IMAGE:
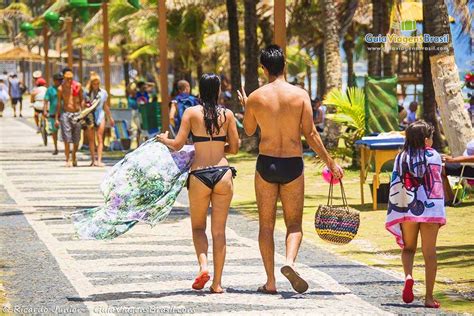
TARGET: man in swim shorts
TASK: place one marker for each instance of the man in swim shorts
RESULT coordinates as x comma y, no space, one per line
281,111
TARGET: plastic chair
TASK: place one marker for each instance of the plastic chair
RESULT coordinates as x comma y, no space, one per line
122,136
461,178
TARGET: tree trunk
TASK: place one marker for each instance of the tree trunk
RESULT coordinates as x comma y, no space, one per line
387,65
348,46
331,44
321,85
126,63
447,86
333,65
251,46
373,49
267,31
235,75
429,100
308,76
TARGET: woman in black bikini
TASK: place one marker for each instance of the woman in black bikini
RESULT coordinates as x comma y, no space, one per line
214,133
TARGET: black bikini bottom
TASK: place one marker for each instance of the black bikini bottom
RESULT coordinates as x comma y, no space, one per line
279,170
211,176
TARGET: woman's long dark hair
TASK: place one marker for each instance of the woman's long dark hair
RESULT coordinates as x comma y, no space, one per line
414,148
209,85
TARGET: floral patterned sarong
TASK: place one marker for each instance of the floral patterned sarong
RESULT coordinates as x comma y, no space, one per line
142,187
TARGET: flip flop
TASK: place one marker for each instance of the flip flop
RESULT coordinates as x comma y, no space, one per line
407,295
211,289
201,281
263,289
297,282
436,304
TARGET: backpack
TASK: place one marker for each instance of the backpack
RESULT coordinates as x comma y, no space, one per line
183,103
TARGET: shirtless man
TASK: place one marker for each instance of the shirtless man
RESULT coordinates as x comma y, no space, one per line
282,111
70,98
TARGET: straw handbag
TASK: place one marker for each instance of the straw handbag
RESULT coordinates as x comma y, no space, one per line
336,224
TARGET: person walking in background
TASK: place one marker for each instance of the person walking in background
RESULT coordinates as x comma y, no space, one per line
70,97
319,114
49,110
135,124
142,95
214,132
282,111
16,89
180,103
416,205
37,99
411,116
100,113
4,97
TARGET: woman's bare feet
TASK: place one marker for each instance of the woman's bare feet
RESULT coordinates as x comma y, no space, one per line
216,289
68,164
99,164
74,163
432,303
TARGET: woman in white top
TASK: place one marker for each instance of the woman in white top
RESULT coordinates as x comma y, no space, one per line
3,95
37,98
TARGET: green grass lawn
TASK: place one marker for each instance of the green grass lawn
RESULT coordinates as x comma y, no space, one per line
374,245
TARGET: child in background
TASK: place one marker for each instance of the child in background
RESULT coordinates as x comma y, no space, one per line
412,108
416,205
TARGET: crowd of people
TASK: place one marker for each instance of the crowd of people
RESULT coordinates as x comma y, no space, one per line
281,111
63,106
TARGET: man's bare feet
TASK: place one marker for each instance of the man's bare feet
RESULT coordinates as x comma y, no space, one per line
99,164
265,289
68,164
74,163
55,152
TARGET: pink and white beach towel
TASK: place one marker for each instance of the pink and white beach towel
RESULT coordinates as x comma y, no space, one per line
416,191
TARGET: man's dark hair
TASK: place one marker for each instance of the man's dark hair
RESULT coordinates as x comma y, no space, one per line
273,59
66,69
140,84
58,76
316,100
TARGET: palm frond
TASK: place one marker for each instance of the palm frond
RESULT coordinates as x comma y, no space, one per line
350,108
147,50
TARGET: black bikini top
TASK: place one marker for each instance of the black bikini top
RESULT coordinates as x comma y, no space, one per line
199,139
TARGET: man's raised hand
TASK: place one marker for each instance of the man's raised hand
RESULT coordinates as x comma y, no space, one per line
242,97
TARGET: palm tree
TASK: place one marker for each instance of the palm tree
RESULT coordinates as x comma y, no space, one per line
251,46
234,51
12,16
333,62
456,123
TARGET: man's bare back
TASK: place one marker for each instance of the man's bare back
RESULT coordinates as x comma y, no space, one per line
277,108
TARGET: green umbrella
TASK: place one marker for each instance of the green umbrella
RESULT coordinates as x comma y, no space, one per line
53,20
134,3
28,28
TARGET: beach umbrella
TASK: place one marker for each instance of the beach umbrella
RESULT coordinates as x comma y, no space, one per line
82,7
134,3
53,20
28,29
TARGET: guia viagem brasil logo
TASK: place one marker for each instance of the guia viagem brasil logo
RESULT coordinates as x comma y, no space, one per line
408,26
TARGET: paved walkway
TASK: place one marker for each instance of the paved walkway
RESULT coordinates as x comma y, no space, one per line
147,270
